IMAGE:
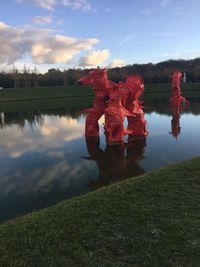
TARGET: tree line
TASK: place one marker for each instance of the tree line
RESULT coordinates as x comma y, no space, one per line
152,73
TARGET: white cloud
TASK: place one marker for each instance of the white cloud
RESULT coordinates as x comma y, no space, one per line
94,58
41,45
82,5
50,5
46,4
41,20
3,25
117,63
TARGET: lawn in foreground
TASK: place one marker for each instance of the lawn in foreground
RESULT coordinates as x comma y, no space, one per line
151,220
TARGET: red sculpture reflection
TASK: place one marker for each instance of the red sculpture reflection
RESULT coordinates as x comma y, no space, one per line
116,162
115,101
177,102
175,122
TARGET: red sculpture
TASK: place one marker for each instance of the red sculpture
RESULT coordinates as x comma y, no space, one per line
115,101
177,99
114,115
98,79
136,125
178,103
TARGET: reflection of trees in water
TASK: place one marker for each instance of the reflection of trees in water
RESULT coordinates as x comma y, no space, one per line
116,162
195,105
36,117
20,118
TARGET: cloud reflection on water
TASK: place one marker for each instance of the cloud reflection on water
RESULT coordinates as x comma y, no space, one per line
15,142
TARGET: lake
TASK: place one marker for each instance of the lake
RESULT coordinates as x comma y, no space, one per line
45,158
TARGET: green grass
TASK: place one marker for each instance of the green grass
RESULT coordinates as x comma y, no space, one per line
151,220
167,87
47,104
22,94
163,91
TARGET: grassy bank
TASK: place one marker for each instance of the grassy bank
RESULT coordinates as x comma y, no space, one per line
21,94
167,87
47,104
151,220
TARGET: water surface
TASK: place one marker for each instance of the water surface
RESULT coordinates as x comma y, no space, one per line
44,157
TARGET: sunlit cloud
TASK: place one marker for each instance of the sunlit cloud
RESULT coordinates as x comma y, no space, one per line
117,63
94,58
43,46
59,49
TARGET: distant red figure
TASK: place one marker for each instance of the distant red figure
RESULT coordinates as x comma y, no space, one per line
178,103
177,99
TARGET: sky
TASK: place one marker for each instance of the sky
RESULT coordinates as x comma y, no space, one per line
88,33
